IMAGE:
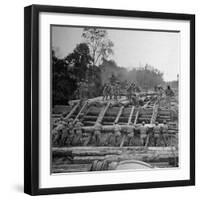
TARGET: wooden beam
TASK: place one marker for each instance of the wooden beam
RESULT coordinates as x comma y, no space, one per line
72,111
102,113
81,110
136,117
119,114
87,155
129,121
155,113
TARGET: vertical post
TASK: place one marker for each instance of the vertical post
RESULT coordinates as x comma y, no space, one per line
129,121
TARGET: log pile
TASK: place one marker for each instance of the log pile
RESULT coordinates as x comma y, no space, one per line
103,158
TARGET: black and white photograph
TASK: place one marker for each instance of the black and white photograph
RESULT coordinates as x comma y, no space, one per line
114,99
109,99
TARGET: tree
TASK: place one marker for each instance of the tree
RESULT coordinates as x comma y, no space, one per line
79,61
63,82
99,44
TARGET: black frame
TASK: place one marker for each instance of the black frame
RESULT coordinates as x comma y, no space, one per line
31,98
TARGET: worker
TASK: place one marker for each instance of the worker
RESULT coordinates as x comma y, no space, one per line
117,132
129,92
77,132
105,92
97,133
143,133
168,93
115,91
164,132
70,132
156,133
111,91
130,134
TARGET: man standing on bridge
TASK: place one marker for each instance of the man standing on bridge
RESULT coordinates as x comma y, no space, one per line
169,93
105,92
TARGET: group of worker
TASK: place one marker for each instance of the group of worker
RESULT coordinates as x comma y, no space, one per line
67,132
82,90
70,133
112,91
131,93
157,133
167,93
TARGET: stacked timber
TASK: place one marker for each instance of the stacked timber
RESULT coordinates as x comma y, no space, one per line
100,158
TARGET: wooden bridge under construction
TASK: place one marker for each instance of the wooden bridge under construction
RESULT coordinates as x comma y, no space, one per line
104,157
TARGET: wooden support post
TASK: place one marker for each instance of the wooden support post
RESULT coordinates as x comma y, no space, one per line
155,113
119,114
153,119
72,111
131,115
136,117
129,121
81,110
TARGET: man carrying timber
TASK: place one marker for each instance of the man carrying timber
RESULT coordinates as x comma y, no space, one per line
143,133
156,133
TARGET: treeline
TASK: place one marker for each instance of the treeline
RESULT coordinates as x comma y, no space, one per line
145,77
91,62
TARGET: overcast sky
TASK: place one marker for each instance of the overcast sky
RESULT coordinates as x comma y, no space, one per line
132,48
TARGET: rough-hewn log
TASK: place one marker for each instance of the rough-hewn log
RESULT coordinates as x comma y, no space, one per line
81,110
149,154
102,113
65,168
119,114
90,117
136,117
129,121
72,111
155,113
